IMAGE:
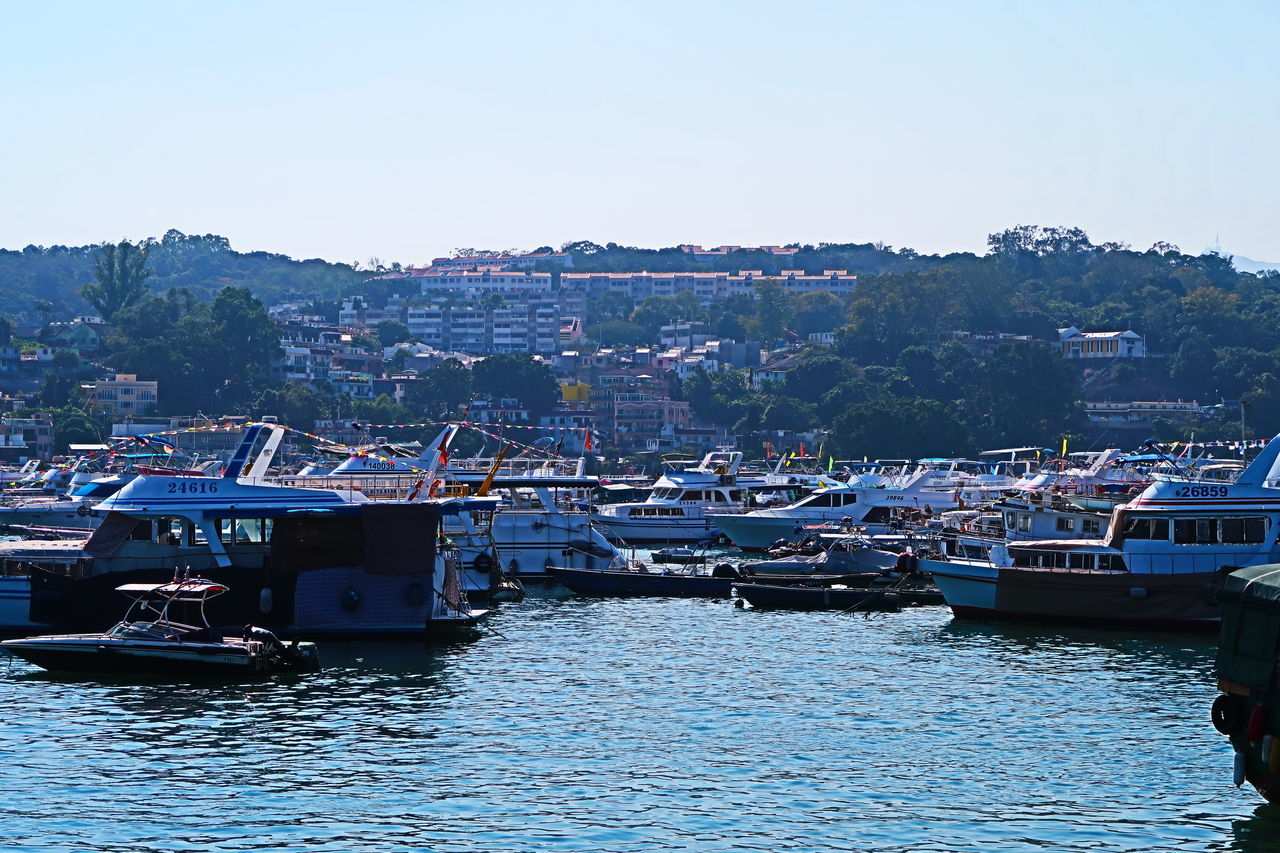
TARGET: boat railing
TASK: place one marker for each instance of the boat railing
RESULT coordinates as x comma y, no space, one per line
1190,561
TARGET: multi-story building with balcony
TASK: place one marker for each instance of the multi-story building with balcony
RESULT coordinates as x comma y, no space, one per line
123,394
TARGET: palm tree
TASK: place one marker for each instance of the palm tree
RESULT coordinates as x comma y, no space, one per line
121,271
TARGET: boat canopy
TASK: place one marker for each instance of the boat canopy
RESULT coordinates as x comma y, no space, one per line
184,590
1250,601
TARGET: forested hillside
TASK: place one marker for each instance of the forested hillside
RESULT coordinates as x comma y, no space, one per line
38,282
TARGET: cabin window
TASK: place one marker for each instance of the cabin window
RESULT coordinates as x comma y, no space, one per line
1066,525
1090,525
736,495
1244,531
1079,561
1111,563
878,515
819,500
244,531
1195,531
1024,522
1147,528
169,531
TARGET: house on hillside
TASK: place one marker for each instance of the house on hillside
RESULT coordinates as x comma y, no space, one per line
1078,344
84,335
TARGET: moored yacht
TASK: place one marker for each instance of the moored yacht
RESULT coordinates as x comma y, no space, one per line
932,487
1157,564
541,519
681,505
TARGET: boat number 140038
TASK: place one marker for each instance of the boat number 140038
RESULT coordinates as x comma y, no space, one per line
1200,492
193,488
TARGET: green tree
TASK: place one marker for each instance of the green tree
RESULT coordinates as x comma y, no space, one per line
817,311
66,361
121,272
441,391
908,427
614,333
814,373
245,342
493,301
391,332
774,308
517,375
610,305
73,426
294,404
1024,394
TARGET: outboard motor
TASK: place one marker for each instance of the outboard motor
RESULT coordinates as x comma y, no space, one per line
726,570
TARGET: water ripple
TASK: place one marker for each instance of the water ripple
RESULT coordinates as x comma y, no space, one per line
648,725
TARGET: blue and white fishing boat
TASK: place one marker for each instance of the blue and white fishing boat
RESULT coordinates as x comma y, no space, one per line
323,562
1157,563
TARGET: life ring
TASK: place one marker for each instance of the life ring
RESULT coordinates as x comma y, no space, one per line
1225,713
483,562
82,510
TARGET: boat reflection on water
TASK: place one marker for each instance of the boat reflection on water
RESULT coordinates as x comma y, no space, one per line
373,657
1172,655
1258,832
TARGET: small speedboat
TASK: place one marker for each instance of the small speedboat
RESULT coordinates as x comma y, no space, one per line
883,597
151,639
681,556
642,581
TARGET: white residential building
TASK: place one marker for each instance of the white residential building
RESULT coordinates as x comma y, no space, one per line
1078,344
707,286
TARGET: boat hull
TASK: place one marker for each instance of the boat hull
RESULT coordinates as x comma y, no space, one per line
980,590
759,532
771,597
104,655
633,584
665,530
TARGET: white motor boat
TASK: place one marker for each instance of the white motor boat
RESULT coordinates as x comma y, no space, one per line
681,505
932,487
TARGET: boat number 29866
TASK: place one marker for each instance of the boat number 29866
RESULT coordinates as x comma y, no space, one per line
193,488
1200,492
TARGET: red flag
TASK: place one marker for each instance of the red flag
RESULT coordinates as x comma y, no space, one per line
586,445
802,448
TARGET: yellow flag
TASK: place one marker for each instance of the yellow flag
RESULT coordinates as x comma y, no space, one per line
1064,446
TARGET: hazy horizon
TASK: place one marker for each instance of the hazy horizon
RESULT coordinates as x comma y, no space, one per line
402,132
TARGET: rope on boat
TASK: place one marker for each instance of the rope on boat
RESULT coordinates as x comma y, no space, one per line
884,590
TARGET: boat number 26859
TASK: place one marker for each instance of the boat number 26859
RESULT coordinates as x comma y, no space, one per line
193,488
1200,492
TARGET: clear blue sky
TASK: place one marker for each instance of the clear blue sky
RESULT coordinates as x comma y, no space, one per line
403,130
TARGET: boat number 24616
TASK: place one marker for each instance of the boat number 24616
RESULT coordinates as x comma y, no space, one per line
1200,492
193,488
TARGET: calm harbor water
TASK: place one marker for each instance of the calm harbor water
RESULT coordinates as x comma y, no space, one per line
608,725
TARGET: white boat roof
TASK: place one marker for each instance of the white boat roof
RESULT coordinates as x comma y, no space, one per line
204,587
